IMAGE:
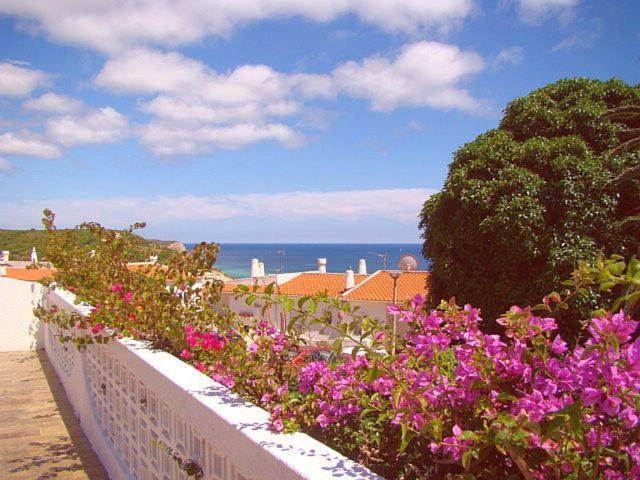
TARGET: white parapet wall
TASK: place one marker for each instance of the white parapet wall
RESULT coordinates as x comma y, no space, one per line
126,395
18,325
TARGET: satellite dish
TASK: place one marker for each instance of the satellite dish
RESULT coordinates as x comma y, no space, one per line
408,262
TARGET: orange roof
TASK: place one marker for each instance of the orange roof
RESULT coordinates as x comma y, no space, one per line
312,283
379,287
230,287
304,284
29,274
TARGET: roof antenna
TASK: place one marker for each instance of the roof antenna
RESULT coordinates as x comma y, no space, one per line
281,253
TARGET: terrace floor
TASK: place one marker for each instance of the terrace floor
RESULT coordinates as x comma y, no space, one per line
40,436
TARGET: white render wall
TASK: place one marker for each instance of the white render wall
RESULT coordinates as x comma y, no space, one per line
18,325
125,394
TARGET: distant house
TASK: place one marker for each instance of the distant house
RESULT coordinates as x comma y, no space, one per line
372,293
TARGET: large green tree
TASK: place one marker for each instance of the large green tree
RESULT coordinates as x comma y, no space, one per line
523,203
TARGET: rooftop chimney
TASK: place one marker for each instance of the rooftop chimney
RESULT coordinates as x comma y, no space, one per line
4,256
255,268
349,280
3,271
34,255
261,269
362,267
322,265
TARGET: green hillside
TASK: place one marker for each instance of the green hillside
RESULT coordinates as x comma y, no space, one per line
20,243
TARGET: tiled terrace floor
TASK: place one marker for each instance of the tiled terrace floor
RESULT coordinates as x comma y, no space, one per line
40,438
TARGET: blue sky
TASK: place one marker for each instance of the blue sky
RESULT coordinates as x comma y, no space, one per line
272,121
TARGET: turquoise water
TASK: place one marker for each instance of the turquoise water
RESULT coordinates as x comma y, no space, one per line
234,258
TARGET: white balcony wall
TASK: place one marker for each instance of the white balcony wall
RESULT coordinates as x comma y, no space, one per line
126,395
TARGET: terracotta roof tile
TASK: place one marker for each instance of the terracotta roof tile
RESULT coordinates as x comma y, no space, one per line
29,274
230,287
379,287
312,283
305,284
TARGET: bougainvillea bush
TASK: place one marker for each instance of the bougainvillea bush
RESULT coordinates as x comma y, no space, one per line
452,402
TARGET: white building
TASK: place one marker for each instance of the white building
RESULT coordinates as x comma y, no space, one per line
372,293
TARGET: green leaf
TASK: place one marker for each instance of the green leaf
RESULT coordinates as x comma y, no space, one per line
407,436
397,394
469,435
616,268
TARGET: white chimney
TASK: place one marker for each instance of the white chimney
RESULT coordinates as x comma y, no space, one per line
322,265
255,268
349,280
3,271
362,267
261,269
4,256
153,259
34,255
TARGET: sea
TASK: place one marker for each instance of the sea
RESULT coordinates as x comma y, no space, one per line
235,258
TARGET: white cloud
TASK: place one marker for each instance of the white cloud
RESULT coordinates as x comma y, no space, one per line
98,126
53,103
509,56
19,81
398,204
535,10
172,139
115,25
148,71
5,166
197,109
27,144
585,36
423,74
190,110
401,205
145,71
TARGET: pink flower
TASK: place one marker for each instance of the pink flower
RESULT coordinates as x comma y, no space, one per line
127,296
277,425
186,354
558,346
117,288
629,417
282,390
96,329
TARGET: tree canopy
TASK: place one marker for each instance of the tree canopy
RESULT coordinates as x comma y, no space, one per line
524,202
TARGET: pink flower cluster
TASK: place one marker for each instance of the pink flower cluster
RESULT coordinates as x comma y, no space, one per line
127,296
206,341
562,407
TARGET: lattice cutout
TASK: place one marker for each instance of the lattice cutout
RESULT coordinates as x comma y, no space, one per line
62,351
131,416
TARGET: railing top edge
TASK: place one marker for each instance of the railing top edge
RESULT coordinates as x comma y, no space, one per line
298,451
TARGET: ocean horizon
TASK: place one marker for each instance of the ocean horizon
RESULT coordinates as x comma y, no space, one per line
234,258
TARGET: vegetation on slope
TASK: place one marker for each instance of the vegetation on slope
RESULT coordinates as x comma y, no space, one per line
20,243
